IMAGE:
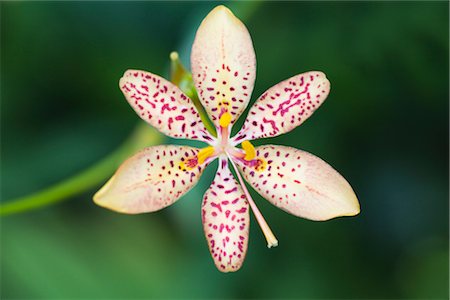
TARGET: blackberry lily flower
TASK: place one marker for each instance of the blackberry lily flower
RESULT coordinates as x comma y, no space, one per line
223,69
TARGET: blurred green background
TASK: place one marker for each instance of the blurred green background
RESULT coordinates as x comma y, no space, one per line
384,127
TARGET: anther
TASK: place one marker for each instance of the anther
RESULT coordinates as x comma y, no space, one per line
250,152
225,119
204,154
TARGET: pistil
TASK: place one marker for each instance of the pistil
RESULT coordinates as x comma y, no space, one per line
270,237
248,153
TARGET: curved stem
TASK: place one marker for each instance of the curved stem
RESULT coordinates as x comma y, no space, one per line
142,136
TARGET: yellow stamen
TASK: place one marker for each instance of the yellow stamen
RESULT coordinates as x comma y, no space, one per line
250,152
204,154
193,161
225,119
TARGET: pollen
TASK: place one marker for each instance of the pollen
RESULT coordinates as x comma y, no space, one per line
205,153
182,166
261,165
225,119
250,152
188,164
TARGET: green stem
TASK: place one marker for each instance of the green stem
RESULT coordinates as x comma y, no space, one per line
141,137
183,79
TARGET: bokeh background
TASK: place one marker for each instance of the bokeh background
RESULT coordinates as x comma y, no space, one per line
384,127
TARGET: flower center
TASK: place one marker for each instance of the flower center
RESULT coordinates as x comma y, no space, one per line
247,154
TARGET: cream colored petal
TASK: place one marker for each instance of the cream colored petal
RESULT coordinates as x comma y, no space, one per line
285,106
151,180
300,183
223,64
226,220
163,105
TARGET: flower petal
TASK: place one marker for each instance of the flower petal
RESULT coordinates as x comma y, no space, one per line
163,105
225,216
300,183
151,180
223,64
285,106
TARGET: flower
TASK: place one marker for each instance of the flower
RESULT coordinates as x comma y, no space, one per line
223,69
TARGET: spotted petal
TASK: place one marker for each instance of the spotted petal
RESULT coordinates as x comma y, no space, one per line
300,183
163,105
223,64
225,216
285,106
151,179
